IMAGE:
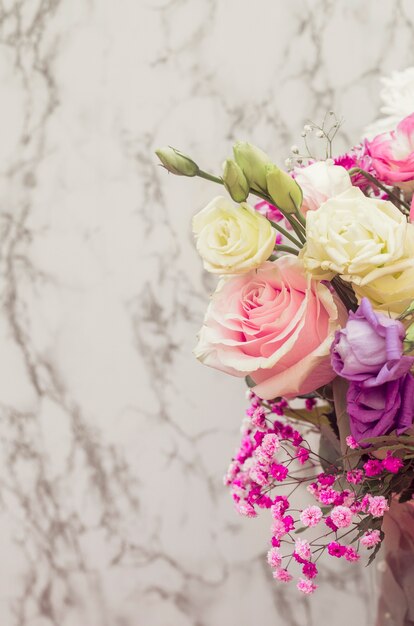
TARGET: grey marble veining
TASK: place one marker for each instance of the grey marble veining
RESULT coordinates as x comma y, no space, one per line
113,441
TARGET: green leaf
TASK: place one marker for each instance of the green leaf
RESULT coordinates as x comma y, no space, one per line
376,549
340,388
249,382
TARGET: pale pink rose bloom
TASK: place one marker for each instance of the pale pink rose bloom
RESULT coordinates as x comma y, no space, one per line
275,324
319,182
392,155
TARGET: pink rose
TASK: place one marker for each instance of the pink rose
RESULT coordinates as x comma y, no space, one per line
319,182
275,324
392,155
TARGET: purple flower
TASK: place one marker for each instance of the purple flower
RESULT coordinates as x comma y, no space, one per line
369,350
376,411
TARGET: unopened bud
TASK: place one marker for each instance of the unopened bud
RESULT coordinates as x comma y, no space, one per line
176,162
283,189
235,181
253,162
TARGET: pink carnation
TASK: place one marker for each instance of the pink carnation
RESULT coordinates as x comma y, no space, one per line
311,516
371,538
306,586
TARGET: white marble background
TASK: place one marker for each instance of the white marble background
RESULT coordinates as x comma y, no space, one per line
113,441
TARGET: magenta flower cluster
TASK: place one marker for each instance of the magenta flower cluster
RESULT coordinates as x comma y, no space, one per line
272,461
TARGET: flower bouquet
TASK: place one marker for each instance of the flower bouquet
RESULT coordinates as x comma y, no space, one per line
314,308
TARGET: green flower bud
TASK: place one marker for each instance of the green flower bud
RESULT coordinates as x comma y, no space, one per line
235,181
176,162
253,162
283,189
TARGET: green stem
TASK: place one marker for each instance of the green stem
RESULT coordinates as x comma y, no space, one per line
286,234
372,179
282,248
207,176
283,231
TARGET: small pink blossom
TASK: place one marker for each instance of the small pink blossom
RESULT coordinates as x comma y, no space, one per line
326,480
282,575
352,443
377,506
311,516
341,516
257,474
278,471
274,557
327,496
278,528
279,507
355,477
302,548
310,403
258,418
335,549
392,464
306,586
288,523
313,489
270,445
302,455
351,554
371,538
373,467
310,570
246,509
330,524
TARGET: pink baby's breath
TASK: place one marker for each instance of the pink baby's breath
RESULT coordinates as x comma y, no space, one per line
282,575
377,506
341,516
274,557
306,586
371,538
302,548
311,516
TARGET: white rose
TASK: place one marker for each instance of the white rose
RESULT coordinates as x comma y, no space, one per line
232,238
357,237
393,292
321,181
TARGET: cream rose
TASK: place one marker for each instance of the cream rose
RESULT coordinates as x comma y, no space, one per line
357,237
391,293
319,182
232,238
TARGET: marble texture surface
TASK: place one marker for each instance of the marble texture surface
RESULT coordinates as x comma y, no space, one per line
113,441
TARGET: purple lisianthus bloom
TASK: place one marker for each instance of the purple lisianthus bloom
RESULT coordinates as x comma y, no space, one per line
369,350
376,411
